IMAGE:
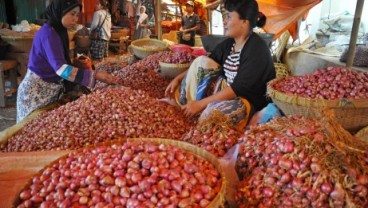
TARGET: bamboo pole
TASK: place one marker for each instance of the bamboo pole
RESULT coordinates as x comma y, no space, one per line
354,33
158,19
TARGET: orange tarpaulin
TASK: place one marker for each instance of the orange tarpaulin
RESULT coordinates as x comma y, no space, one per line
283,15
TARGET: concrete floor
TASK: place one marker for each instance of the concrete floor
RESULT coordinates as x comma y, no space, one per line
8,113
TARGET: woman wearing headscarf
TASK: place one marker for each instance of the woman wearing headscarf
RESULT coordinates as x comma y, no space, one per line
141,30
101,21
49,63
233,80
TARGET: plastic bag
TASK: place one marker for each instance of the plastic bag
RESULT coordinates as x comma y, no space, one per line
228,162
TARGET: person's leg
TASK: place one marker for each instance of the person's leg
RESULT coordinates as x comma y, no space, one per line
237,112
34,93
197,74
97,50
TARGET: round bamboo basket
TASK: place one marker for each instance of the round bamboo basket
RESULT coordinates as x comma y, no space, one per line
351,114
172,70
281,70
217,202
21,44
116,34
145,47
363,134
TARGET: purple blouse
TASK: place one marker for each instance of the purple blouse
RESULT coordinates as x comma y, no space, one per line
47,60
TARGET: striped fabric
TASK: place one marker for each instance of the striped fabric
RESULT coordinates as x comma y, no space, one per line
231,66
73,74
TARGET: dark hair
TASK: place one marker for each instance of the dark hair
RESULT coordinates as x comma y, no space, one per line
247,9
104,3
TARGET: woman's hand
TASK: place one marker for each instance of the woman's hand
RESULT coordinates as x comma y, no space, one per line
192,108
170,89
107,78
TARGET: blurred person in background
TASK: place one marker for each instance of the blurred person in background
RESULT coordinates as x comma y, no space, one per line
141,29
101,19
190,23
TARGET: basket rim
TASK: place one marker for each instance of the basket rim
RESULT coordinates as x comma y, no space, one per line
362,133
17,37
184,146
170,65
312,102
165,45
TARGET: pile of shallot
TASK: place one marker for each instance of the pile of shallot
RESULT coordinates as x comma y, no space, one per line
213,134
100,116
296,162
132,174
182,57
330,83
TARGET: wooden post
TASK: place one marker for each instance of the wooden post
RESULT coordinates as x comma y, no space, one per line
354,33
209,18
158,19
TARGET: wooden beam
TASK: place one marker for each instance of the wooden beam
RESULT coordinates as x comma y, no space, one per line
159,19
354,33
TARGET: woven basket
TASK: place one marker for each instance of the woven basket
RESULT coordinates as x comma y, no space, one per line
172,70
363,134
145,47
351,114
21,44
281,70
217,202
116,34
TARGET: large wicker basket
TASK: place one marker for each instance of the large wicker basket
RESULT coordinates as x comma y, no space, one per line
21,44
172,70
217,202
351,114
363,134
116,34
145,47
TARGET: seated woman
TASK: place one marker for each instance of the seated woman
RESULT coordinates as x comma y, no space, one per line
234,78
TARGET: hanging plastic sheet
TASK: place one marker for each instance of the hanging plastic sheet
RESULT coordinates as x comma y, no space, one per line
283,15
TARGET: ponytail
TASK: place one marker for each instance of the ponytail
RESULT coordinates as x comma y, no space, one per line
247,9
261,20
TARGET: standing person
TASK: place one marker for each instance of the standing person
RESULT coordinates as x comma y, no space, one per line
189,25
141,29
49,62
233,80
101,19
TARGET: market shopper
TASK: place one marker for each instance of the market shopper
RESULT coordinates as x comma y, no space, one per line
234,78
49,63
141,29
101,21
190,23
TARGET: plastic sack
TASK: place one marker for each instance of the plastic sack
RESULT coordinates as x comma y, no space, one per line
360,58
